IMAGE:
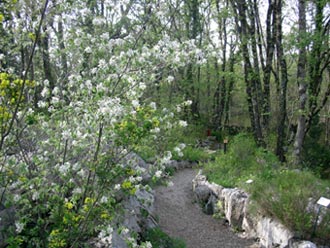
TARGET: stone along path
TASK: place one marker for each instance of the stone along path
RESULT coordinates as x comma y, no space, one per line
181,217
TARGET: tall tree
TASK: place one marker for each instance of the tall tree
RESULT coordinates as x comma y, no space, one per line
193,27
245,22
283,76
301,80
313,60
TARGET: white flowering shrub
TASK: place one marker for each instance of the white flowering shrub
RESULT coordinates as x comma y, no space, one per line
63,183
66,163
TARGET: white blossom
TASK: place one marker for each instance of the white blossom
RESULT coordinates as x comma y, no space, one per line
177,149
167,157
56,91
187,103
77,42
17,197
155,130
89,85
170,79
104,199
183,123
64,168
45,92
170,184
35,195
182,146
135,103
98,21
142,86
55,100
88,50
42,104
153,105
105,36
158,174
19,226
66,134
125,231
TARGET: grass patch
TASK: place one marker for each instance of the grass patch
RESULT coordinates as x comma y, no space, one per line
159,239
193,154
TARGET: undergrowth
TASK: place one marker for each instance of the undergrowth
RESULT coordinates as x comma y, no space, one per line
278,192
160,239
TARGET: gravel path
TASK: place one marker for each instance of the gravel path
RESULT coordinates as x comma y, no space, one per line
179,216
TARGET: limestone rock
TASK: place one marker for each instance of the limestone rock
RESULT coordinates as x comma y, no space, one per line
118,241
137,208
210,206
272,233
138,164
303,244
202,193
233,204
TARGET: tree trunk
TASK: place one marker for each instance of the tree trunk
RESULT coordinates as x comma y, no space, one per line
301,80
280,152
44,42
268,65
251,76
230,86
64,60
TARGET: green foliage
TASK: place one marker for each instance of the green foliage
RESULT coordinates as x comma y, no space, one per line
10,91
54,213
193,154
136,126
287,196
243,161
146,152
159,239
316,154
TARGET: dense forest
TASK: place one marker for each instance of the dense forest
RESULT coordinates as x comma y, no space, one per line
83,83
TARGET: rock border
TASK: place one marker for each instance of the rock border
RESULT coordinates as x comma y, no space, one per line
232,204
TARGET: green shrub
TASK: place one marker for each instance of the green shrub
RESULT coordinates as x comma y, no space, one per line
192,154
147,153
243,161
159,239
287,196
316,153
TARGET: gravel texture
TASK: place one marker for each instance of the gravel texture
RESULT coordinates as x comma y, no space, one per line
181,217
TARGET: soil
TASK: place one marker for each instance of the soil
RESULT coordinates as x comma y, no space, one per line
181,217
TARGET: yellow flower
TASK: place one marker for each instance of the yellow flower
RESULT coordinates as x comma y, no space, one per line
104,215
89,200
155,121
69,205
126,185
